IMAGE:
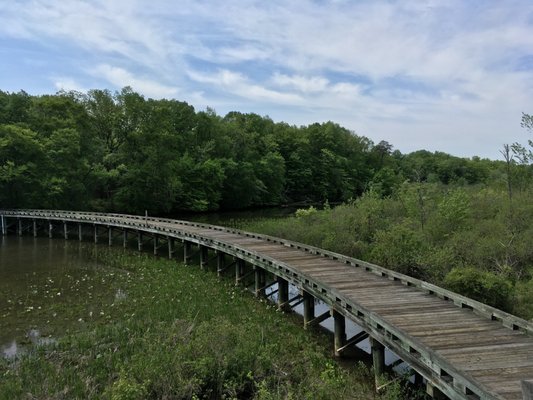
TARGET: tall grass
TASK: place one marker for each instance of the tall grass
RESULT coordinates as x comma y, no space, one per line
180,333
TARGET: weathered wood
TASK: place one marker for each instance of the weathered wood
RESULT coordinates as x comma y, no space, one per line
259,281
339,325
378,359
170,244
309,307
462,347
186,252
353,341
283,294
203,256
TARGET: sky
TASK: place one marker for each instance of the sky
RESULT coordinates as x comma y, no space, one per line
440,75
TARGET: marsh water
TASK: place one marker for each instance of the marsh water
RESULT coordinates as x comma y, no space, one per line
50,287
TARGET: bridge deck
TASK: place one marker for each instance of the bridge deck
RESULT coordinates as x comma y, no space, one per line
491,358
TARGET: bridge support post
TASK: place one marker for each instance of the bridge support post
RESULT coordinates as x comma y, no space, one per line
170,243
283,294
65,230
378,359
125,238
80,236
239,271
339,324
527,390
20,227
34,224
309,307
434,392
139,241
260,281
95,233
220,262
419,379
203,256
50,227
110,235
186,252
156,244
3,221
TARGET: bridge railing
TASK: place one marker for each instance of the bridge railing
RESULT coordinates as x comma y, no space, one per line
508,320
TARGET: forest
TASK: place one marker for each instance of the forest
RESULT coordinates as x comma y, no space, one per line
464,223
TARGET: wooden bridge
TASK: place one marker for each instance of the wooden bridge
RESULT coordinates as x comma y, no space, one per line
459,348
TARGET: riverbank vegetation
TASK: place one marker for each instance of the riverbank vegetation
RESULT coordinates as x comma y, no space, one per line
470,239
178,332
122,152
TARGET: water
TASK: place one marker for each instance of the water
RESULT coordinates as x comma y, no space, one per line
49,287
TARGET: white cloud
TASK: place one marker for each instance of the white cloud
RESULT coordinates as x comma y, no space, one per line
422,71
68,84
241,86
120,77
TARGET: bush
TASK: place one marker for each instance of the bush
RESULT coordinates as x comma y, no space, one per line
479,285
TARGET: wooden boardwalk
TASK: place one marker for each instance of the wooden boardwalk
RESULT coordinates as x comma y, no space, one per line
463,349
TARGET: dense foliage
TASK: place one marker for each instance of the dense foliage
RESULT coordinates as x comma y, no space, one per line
122,152
472,240
463,223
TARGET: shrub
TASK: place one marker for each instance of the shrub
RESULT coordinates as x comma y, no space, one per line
479,285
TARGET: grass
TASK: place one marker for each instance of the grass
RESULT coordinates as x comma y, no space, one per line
180,333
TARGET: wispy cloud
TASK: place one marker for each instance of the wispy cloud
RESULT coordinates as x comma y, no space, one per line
420,73
120,77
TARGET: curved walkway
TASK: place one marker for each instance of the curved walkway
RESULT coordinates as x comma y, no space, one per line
464,349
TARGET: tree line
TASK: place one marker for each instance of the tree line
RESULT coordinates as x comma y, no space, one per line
119,151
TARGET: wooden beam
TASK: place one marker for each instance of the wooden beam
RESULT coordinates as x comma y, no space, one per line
353,341
317,320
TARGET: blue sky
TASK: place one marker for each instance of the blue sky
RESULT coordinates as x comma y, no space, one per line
448,75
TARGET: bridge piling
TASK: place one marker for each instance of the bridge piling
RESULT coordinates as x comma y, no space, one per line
434,392
3,221
156,244
95,233
124,238
220,262
259,281
65,230
34,225
139,241
203,256
378,359
283,294
170,244
339,331
110,236
80,236
309,308
239,270
19,227
50,227
186,252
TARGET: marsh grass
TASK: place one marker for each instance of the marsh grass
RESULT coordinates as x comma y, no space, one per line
177,332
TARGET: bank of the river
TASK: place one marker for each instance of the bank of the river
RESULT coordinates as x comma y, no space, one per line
175,331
